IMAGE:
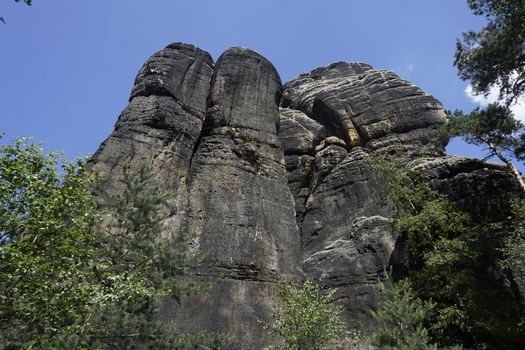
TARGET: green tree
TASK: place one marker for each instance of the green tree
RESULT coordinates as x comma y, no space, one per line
46,287
514,247
495,56
447,257
401,316
307,319
136,244
80,273
495,128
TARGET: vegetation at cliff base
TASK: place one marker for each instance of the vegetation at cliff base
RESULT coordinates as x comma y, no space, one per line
85,272
307,319
513,250
449,258
46,288
402,317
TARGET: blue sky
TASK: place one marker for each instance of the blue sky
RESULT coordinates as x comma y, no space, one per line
67,67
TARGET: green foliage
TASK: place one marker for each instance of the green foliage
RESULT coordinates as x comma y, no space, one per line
45,221
428,221
202,341
138,246
496,129
493,127
307,319
73,279
494,56
514,247
135,238
401,316
447,257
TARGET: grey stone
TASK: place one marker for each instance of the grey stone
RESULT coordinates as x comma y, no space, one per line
344,207
181,71
164,117
369,107
279,194
239,200
482,189
299,133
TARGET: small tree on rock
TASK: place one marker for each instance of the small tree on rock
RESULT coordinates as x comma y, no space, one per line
495,128
307,319
401,316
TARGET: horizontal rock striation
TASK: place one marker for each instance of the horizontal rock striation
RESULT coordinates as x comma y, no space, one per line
359,110
480,188
368,107
239,201
277,181
164,117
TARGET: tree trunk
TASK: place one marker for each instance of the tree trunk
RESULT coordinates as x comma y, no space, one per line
514,172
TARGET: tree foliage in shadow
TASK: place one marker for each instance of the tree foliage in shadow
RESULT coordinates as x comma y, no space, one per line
451,259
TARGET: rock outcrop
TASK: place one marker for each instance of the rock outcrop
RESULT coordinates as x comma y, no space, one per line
239,201
164,118
277,181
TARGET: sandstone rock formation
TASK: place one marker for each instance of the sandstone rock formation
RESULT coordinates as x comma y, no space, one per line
277,180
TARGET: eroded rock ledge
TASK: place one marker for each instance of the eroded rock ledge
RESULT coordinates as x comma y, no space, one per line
277,181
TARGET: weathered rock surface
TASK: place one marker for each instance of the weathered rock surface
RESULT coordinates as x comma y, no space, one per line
480,188
165,114
239,201
346,234
278,194
239,197
337,201
368,107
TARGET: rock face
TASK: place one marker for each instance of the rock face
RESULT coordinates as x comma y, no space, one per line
277,181
368,107
239,200
238,189
346,232
164,118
